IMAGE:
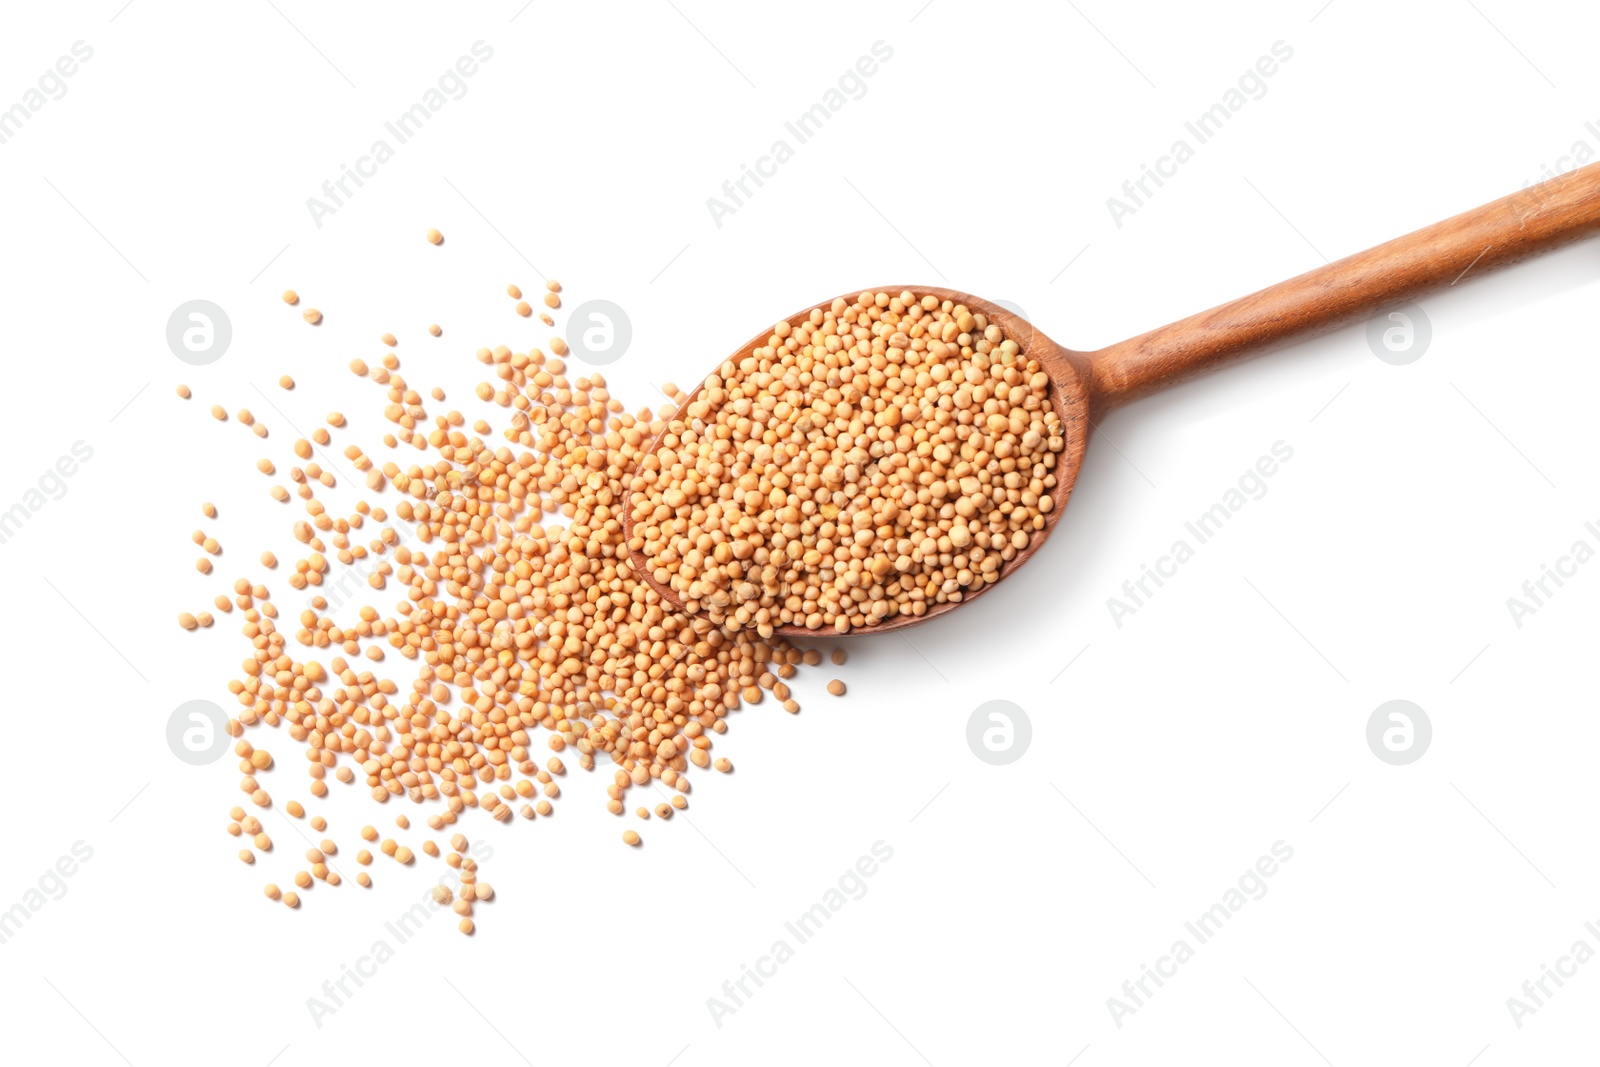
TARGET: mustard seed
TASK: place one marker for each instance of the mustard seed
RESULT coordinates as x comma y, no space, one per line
183,392
311,315
291,297
836,687
292,899
435,237
630,837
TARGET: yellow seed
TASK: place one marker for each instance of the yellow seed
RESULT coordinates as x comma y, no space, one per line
553,285
513,292
311,315
291,297
265,466
318,823
335,418
551,300
723,765
292,899
524,308
219,413
630,837
837,657
836,687
209,510
363,857
435,237
187,621
465,926
302,879
558,346
389,340
294,808
183,391
483,891
203,565
286,382
247,856
261,840
271,891
363,879
434,329
369,833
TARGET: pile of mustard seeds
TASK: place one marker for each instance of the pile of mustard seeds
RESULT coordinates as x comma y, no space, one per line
512,596
871,459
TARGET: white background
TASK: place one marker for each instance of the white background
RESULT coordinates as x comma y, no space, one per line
1227,714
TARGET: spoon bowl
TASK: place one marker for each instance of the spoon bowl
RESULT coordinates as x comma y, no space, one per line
1069,396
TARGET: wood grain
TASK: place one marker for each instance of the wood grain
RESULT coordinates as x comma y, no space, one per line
1515,227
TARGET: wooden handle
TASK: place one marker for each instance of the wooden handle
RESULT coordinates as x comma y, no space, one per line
1515,227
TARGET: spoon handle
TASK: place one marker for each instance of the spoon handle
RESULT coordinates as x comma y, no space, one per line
1515,227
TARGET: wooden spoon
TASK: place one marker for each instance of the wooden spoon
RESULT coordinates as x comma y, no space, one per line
1085,385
